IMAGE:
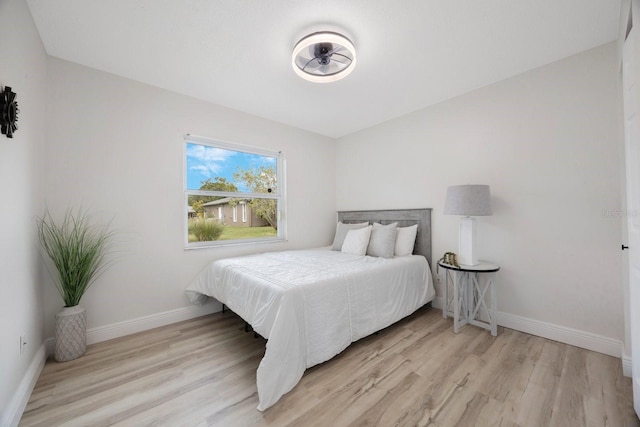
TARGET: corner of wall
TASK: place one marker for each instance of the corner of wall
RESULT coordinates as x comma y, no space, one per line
13,412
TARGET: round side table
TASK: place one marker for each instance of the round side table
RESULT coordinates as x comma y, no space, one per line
468,298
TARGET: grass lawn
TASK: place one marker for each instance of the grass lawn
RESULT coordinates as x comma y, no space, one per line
235,233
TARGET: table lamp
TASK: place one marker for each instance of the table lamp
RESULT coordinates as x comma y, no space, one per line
468,200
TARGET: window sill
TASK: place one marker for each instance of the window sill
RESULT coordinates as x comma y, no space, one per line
224,243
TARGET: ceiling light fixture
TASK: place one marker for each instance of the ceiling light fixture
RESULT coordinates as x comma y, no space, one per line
323,57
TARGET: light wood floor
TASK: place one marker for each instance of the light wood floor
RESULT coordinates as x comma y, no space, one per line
416,372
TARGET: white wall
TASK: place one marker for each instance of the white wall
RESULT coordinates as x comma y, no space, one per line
548,143
23,68
115,146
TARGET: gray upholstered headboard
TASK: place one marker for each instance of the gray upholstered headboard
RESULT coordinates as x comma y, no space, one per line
404,218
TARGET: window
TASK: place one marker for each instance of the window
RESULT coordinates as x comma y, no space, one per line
219,177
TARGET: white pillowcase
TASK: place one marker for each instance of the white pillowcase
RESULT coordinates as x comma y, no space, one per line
341,233
406,240
356,241
383,240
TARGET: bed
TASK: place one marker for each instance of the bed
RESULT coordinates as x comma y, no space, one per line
311,304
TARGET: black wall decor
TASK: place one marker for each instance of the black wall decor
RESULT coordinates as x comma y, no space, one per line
8,112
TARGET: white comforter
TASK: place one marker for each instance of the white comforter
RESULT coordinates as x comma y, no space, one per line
312,304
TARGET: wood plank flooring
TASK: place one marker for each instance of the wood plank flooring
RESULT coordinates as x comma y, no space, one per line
417,372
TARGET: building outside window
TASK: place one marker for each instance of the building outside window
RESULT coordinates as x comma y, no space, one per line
219,177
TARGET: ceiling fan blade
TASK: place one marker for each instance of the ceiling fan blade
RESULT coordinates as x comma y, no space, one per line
308,63
324,69
312,65
311,51
338,48
342,61
343,57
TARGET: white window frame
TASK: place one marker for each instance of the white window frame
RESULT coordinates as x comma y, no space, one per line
279,195
235,213
244,212
220,213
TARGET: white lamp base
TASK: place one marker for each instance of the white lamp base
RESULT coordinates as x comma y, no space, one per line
467,242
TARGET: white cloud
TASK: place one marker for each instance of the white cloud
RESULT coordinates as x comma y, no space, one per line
203,169
207,160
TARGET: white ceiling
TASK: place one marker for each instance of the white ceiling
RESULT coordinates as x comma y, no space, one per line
237,53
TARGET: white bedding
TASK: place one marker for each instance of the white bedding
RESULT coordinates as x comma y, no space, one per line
312,304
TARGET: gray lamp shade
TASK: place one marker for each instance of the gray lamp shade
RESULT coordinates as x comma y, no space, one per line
470,200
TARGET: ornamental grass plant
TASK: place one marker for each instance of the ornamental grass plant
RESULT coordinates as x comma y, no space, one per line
77,248
204,230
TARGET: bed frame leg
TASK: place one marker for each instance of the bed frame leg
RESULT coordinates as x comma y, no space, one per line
248,327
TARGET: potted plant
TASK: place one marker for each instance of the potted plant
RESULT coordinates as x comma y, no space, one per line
77,249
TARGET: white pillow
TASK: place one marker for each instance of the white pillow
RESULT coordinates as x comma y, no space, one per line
406,240
383,240
356,241
341,233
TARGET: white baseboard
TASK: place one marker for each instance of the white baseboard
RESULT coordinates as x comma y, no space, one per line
553,332
626,363
128,327
562,334
12,414
437,303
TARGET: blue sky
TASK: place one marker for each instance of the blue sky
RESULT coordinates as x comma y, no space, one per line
205,162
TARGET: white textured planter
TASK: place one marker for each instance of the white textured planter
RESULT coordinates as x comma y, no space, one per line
71,333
